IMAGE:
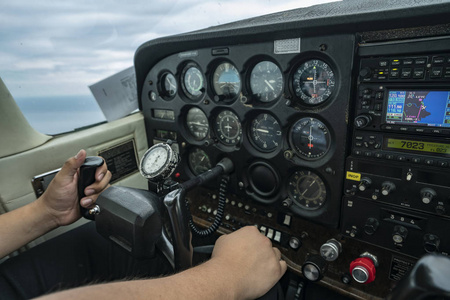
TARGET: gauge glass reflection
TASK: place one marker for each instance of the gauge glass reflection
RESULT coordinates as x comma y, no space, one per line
199,161
265,132
226,81
313,82
193,82
197,123
307,190
266,81
310,138
228,128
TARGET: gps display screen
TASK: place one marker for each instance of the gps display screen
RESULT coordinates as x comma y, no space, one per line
418,107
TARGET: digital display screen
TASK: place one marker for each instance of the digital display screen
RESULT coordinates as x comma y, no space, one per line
417,146
418,107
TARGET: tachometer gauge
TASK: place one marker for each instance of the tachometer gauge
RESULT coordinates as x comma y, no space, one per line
265,132
266,81
198,161
310,138
313,82
193,81
168,86
158,162
228,128
197,123
307,190
226,81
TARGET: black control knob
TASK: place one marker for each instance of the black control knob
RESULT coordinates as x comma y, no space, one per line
314,268
387,187
371,226
399,234
427,194
431,242
365,72
362,121
364,184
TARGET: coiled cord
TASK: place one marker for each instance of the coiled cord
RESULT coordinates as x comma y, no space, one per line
220,212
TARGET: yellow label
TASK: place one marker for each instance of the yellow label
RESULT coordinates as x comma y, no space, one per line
353,176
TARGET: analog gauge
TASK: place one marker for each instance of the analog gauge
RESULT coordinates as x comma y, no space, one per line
228,128
197,123
193,81
265,132
226,81
313,82
310,138
199,161
266,81
307,190
159,162
168,86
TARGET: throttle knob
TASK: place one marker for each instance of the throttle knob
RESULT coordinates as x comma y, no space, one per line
363,270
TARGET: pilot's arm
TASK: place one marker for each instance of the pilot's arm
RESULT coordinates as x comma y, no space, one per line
243,266
58,206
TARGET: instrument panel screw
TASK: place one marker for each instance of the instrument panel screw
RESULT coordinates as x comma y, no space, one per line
323,47
288,154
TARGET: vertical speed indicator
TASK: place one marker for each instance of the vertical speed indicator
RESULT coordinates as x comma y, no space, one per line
313,82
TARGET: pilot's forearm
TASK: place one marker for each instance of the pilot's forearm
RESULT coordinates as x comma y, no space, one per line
203,282
23,225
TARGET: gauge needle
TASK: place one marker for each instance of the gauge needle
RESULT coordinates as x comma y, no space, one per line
268,83
312,183
262,130
310,138
198,124
171,84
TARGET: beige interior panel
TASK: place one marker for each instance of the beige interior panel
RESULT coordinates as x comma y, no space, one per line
18,170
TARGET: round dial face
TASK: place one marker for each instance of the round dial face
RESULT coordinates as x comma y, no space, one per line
226,81
228,128
199,161
193,82
265,132
197,123
307,190
168,86
313,82
155,160
266,81
310,138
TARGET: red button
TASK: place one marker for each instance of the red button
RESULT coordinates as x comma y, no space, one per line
363,270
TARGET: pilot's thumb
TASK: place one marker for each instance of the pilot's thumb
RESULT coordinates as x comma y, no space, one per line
72,165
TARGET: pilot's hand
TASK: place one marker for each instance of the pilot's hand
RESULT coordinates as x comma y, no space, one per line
248,259
61,197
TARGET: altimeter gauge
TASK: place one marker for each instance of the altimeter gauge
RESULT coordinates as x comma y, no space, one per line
159,162
265,132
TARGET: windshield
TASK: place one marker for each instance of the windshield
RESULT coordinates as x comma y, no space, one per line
52,51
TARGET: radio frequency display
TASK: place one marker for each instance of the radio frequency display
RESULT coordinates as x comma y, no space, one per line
426,108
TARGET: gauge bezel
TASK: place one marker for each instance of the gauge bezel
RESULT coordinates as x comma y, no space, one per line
251,136
161,85
169,165
297,152
298,63
214,94
185,121
186,92
253,65
217,132
295,203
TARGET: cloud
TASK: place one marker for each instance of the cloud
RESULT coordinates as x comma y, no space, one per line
60,47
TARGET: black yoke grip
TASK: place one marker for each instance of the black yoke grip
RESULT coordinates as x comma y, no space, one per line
87,177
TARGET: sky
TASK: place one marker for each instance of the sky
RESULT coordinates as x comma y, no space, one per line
60,47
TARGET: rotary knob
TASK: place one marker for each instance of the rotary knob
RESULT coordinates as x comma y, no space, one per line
387,187
399,234
365,72
362,121
330,250
431,243
363,269
371,226
364,184
314,268
427,194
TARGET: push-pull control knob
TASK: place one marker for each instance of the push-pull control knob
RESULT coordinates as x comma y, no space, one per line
399,234
330,250
427,195
364,184
363,269
371,226
314,268
387,187
362,121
